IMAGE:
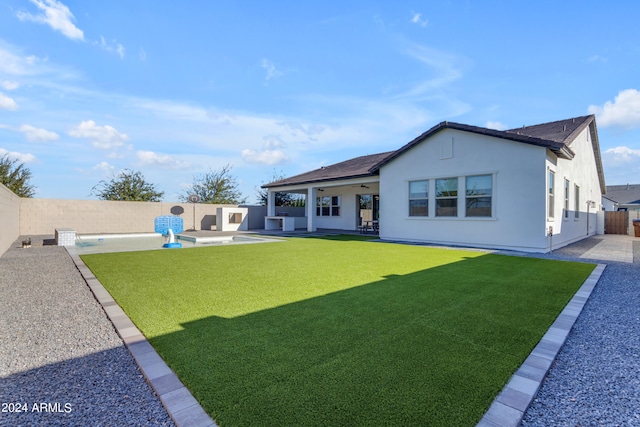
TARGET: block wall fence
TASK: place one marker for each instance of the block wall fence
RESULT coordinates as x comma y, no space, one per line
9,218
40,217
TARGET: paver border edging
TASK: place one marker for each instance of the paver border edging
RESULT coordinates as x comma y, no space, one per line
180,404
507,410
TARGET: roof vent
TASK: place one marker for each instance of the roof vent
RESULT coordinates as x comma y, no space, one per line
564,128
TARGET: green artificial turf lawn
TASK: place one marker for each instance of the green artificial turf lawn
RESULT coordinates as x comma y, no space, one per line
340,331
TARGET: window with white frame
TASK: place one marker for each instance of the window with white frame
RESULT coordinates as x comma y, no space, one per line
335,206
328,206
566,198
419,198
447,197
478,192
576,195
551,192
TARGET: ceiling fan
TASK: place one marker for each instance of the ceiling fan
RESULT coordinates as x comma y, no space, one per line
361,186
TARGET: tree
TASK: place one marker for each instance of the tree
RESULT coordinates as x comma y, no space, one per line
16,177
128,186
282,198
217,187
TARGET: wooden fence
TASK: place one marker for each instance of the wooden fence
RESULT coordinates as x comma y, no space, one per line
616,222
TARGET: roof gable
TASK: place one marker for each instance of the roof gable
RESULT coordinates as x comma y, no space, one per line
555,136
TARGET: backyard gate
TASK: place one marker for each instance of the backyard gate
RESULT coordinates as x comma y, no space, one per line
616,222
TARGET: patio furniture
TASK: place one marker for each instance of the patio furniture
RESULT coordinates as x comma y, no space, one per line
369,226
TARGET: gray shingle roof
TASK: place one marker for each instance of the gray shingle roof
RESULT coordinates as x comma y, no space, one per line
628,194
353,168
556,136
561,131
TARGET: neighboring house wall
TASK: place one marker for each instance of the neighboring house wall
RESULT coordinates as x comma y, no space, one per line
43,216
609,205
519,199
9,218
579,171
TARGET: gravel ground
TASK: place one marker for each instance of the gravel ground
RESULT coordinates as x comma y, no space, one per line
595,379
61,361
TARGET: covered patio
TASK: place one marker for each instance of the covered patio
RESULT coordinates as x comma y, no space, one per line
344,196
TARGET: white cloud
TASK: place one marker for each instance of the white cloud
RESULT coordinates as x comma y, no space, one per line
56,15
624,111
104,137
446,69
9,85
273,141
13,63
150,158
21,157
271,69
496,126
620,155
310,130
416,18
105,167
142,55
35,134
113,47
265,157
7,103
597,58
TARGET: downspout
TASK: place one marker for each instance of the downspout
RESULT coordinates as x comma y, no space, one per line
588,205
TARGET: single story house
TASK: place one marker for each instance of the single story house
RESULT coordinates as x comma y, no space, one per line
534,188
622,197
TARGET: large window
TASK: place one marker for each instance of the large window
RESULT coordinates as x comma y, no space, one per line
328,206
447,197
551,186
478,195
576,192
566,198
419,198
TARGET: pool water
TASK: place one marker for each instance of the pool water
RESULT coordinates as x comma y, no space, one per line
92,244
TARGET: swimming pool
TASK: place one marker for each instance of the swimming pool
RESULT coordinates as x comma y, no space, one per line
91,244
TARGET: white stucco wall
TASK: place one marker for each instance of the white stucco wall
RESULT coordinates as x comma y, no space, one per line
9,218
579,171
519,172
347,220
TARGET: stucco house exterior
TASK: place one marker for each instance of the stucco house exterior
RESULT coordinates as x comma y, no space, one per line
533,189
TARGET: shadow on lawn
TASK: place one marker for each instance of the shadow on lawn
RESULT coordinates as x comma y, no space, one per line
428,348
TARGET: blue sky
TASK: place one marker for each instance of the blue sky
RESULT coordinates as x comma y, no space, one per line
174,89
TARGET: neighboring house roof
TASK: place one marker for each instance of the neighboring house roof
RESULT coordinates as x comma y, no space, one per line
628,194
349,169
556,136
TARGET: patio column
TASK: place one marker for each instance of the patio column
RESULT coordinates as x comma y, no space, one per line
271,203
311,208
